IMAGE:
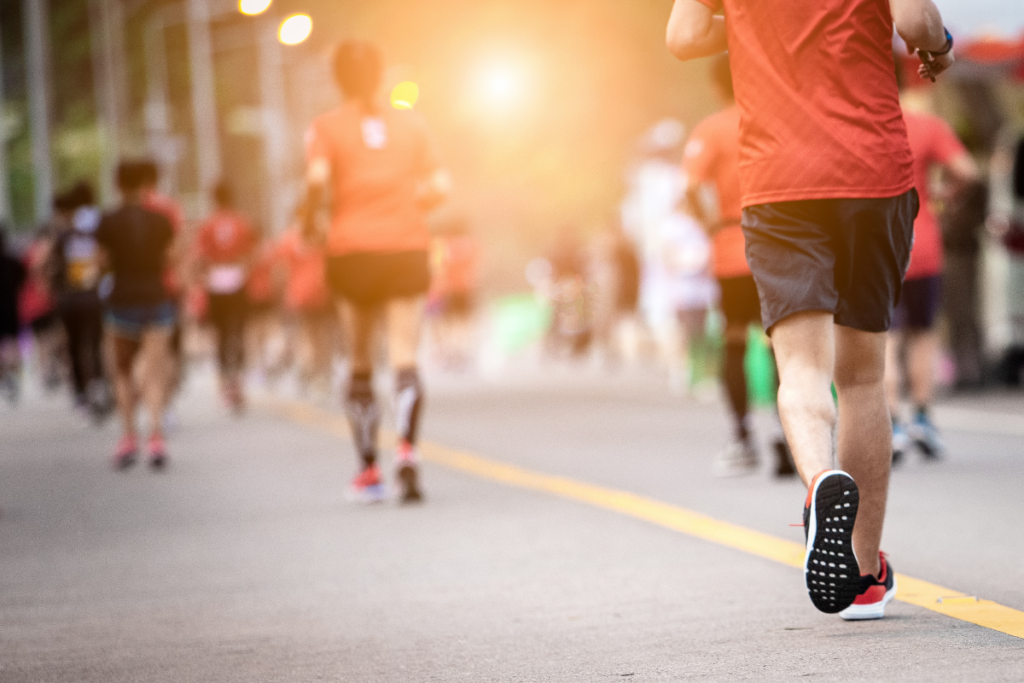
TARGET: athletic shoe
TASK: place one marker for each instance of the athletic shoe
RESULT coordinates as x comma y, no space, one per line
407,474
926,437
737,459
157,453
783,459
830,567
126,452
367,487
901,442
875,594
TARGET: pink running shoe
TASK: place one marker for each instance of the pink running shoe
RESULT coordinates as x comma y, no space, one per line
367,487
126,452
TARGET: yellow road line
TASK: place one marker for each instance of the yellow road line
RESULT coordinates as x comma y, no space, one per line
910,590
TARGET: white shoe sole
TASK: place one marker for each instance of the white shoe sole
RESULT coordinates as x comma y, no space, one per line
873,611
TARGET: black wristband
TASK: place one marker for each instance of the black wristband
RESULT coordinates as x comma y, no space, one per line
949,44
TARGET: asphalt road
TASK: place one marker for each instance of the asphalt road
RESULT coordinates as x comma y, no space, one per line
243,562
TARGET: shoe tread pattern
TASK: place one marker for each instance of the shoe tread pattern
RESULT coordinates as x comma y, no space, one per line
832,572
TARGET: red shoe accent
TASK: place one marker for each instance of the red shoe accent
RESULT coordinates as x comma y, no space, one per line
875,593
368,477
406,452
810,487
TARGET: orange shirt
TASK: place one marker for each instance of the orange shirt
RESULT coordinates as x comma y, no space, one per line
712,156
820,116
376,165
162,204
934,143
306,287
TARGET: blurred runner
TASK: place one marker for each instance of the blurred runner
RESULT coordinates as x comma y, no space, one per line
174,277
77,276
386,173
37,309
12,279
225,246
935,147
572,318
306,296
711,158
828,196
263,322
136,246
456,263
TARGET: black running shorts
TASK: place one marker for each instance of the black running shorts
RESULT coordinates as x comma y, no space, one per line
369,279
740,303
843,256
919,304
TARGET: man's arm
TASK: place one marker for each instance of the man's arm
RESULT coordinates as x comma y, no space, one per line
694,31
919,24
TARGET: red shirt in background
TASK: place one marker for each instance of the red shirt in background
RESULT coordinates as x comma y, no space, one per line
934,143
376,165
712,155
456,265
306,288
260,287
820,115
225,238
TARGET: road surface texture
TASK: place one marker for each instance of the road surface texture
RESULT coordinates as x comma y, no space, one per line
244,562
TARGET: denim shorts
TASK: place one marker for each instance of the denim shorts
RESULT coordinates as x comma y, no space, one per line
131,321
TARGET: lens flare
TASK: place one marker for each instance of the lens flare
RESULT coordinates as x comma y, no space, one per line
405,95
254,7
295,29
501,85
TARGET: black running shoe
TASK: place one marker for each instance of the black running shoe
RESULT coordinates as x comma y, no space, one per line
407,474
783,459
830,567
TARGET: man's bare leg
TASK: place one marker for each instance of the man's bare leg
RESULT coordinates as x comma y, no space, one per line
921,352
804,346
893,375
124,350
158,376
865,434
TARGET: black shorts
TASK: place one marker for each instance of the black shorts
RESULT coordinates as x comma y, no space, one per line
843,256
740,304
369,279
919,304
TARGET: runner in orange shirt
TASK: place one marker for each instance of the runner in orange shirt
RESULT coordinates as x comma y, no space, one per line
386,173
307,298
828,203
225,245
935,146
711,157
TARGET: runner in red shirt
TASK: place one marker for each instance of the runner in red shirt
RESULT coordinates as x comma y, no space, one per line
385,172
711,158
225,245
935,145
828,208
307,298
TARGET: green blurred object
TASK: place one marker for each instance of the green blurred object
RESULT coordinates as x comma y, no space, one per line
762,381
520,320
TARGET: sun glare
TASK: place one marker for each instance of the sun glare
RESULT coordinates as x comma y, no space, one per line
295,29
405,95
253,7
501,85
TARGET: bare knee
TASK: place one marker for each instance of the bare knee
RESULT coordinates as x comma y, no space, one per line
807,398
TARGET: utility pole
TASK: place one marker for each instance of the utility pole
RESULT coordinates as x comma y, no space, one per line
37,68
204,99
106,25
275,124
5,180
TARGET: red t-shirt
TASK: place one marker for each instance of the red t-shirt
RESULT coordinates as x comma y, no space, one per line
376,163
820,115
933,143
306,288
225,238
712,156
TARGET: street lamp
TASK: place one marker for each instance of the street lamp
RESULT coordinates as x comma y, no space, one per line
253,7
295,29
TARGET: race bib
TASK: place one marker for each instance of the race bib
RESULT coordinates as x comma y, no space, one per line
225,279
81,257
375,133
